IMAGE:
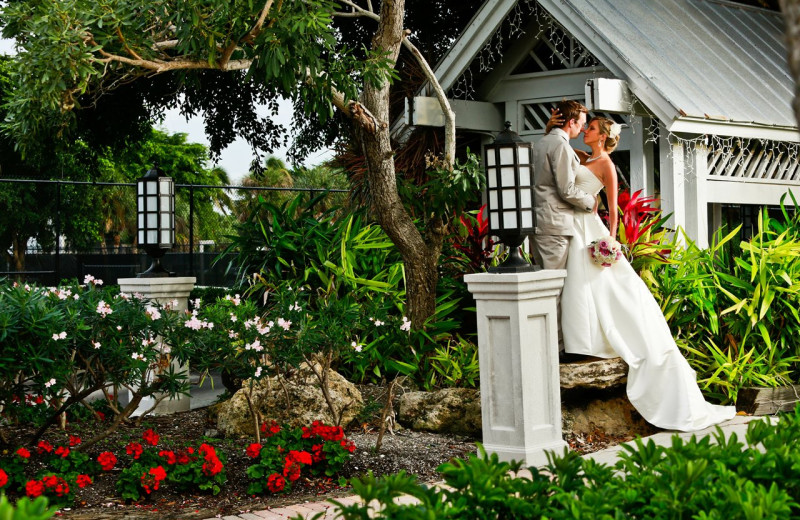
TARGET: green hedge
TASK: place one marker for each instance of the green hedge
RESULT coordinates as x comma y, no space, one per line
703,479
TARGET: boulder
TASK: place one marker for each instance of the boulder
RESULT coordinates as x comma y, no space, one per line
304,405
591,372
450,410
610,413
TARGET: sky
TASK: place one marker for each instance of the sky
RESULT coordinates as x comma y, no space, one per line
236,158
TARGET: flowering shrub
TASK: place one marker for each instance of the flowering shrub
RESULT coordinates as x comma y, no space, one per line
63,343
286,453
189,468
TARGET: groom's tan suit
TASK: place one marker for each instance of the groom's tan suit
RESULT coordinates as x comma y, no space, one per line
556,198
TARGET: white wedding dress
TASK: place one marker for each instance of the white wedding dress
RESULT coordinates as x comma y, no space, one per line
608,312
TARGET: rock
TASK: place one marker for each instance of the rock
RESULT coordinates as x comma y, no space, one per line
609,411
594,373
305,404
450,410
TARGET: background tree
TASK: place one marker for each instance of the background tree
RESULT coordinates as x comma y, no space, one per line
73,53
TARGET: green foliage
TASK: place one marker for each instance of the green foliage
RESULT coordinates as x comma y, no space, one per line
733,307
26,509
704,478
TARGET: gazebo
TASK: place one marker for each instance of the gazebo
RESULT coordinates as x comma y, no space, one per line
702,88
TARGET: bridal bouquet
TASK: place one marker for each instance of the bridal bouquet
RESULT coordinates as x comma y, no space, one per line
605,251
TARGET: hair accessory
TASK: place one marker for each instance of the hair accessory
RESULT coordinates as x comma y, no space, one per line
614,131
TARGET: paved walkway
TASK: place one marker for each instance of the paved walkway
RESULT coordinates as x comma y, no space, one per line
737,425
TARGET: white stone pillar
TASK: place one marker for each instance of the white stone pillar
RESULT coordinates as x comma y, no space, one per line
641,150
518,349
163,290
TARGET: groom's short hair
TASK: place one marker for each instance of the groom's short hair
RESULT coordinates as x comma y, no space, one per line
570,109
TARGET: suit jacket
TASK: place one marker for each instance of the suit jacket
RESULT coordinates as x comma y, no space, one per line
556,197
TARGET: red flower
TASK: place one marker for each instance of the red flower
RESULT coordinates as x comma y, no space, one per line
183,458
317,453
328,433
348,445
152,479
303,457
24,453
212,466
190,450
135,449
55,484
74,440
275,483
254,450
291,470
83,480
107,460
150,437
207,450
100,416
3,478
39,399
34,488
169,455
43,447
63,451
271,429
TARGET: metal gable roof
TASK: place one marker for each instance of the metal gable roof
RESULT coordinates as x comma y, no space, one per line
702,66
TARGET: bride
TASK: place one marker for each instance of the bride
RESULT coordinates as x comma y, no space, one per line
608,311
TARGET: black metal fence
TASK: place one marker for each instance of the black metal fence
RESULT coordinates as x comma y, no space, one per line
112,258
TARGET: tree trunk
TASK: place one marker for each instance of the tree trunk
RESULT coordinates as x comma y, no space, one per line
18,248
419,258
791,15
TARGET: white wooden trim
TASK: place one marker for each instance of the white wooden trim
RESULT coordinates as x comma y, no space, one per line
642,164
673,195
695,189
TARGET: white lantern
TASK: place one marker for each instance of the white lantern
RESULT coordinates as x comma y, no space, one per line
155,215
509,195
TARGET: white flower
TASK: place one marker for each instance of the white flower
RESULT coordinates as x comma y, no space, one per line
232,334
406,325
614,131
137,356
96,344
119,327
234,319
356,346
62,335
284,323
75,297
378,323
258,372
88,278
295,307
256,345
152,313
196,303
50,383
103,308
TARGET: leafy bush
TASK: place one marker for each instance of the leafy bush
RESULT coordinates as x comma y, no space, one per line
699,478
26,509
733,307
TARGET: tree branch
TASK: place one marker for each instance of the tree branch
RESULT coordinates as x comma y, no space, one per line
358,11
449,115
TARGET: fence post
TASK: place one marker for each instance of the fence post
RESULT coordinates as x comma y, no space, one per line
58,232
191,230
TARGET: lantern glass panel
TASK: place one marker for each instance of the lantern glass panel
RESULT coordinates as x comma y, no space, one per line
150,188
490,157
525,178
165,237
525,201
491,173
152,203
152,220
152,237
527,219
524,155
509,199
507,155
165,202
494,220
140,204
141,220
141,236
139,188
507,177
510,220
493,199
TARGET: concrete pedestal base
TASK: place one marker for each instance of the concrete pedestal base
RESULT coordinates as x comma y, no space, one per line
518,349
167,290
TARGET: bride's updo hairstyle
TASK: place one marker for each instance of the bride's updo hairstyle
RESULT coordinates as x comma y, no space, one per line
610,129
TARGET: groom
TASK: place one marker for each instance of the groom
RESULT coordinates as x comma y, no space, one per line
556,197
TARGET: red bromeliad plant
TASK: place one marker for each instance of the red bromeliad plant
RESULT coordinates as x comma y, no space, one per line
642,230
286,453
477,246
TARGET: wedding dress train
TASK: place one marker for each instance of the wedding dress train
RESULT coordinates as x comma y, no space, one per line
609,311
